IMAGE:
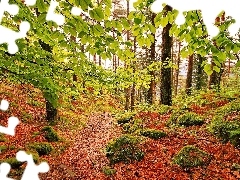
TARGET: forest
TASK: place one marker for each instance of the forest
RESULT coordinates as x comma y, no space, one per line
111,89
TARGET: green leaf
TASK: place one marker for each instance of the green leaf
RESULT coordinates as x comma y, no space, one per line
98,30
137,21
41,6
97,14
217,69
238,64
42,17
208,69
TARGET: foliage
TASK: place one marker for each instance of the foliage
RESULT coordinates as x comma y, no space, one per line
163,109
152,133
189,119
50,134
124,149
43,148
190,156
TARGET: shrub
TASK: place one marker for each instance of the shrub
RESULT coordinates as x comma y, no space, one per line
152,133
124,149
189,119
42,148
50,134
190,156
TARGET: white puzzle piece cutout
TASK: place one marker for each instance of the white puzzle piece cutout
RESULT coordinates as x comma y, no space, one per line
4,170
7,35
32,170
210,10
12,124
52,16
4,105
12,121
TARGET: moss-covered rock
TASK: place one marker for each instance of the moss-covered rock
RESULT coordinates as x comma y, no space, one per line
50,134
43,148
153,134
124,149
189,119
190,156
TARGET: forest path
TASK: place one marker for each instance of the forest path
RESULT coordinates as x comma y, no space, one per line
85,157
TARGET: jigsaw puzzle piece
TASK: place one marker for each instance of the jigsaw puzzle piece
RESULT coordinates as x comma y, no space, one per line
32,170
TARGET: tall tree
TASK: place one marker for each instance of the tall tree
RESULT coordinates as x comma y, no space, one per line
189,75
165,77
152,89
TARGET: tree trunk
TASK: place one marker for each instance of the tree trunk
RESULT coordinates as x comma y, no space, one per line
152,88
199,72
176,74
133,92
166,87
189,75
127,90
51,112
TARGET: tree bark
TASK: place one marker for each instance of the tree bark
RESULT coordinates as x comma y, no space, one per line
166,87
176,74
152,89
189,75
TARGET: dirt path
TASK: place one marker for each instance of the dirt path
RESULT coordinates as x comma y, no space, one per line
85,157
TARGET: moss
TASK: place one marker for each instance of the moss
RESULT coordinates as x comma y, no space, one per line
152,133
124,149
50,134
133,127
35,156
235,138
3,148
189,119
15,164
108,171
221,128
190,156
42,148
2,138
174,116
163,109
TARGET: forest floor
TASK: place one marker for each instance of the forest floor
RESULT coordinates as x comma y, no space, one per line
80,155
